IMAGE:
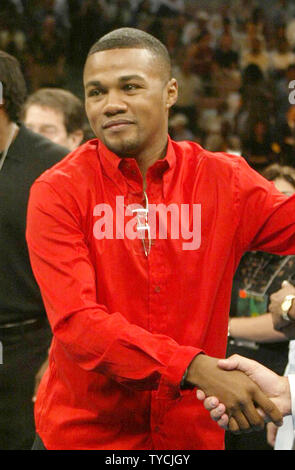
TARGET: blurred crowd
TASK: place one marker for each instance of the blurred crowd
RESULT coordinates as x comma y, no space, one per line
234,62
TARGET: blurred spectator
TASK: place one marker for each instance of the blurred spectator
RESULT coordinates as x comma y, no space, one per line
225,56
281,58
91,21
219,135
257,99
19,6
121,14
216,143
169,8
56,114
215,27
58,9
178,126
282,93
190,31
12,38
286,139
226,81
256,55
47,56
281,12
257,147
290,32
249,32
142,16
172,41
189,88
242,10
196,26
226,74
201,55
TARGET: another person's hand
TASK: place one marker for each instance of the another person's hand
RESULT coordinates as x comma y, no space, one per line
235,390
271,433
275,387
275,307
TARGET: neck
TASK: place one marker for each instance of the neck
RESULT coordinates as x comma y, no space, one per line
147,159
6,128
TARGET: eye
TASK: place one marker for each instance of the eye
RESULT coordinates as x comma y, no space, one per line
95,92
130,87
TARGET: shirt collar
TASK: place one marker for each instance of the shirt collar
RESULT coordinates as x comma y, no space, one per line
125,172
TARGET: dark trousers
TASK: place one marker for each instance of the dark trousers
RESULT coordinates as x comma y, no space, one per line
23,354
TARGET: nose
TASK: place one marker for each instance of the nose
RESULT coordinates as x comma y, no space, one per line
114,104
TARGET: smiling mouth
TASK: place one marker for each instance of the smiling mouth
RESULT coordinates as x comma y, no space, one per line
117,125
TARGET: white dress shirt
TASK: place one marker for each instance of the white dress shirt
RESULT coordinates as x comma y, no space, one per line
285,438
291,378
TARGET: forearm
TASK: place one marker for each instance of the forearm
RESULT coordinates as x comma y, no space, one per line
128,354
259,329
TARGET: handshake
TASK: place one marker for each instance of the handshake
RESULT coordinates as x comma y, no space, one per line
270,393
275,403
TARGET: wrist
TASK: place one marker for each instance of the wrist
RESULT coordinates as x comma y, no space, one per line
229,328
198,370
287,308
232,327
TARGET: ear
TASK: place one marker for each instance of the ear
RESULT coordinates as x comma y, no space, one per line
172,93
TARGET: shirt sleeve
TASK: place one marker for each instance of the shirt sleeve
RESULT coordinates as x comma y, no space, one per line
267,217
291,378
93,337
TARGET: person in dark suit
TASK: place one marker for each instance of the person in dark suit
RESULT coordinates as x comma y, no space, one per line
24,331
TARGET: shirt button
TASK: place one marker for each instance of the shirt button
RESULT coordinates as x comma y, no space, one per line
157,429
157,289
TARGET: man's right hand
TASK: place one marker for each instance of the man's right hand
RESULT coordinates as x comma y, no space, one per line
236,391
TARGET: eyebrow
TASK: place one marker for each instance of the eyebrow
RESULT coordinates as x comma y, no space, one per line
126,78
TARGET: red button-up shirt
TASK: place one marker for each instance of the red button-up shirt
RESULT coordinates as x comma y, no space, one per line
127,325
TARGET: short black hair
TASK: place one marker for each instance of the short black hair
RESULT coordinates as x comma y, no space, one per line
132,38
13,86
64,101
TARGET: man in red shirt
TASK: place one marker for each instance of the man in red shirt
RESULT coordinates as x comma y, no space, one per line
138,307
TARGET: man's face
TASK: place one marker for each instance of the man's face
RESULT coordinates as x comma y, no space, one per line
48,122
127,100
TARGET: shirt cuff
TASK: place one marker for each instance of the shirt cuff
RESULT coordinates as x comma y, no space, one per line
169,386
291,378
